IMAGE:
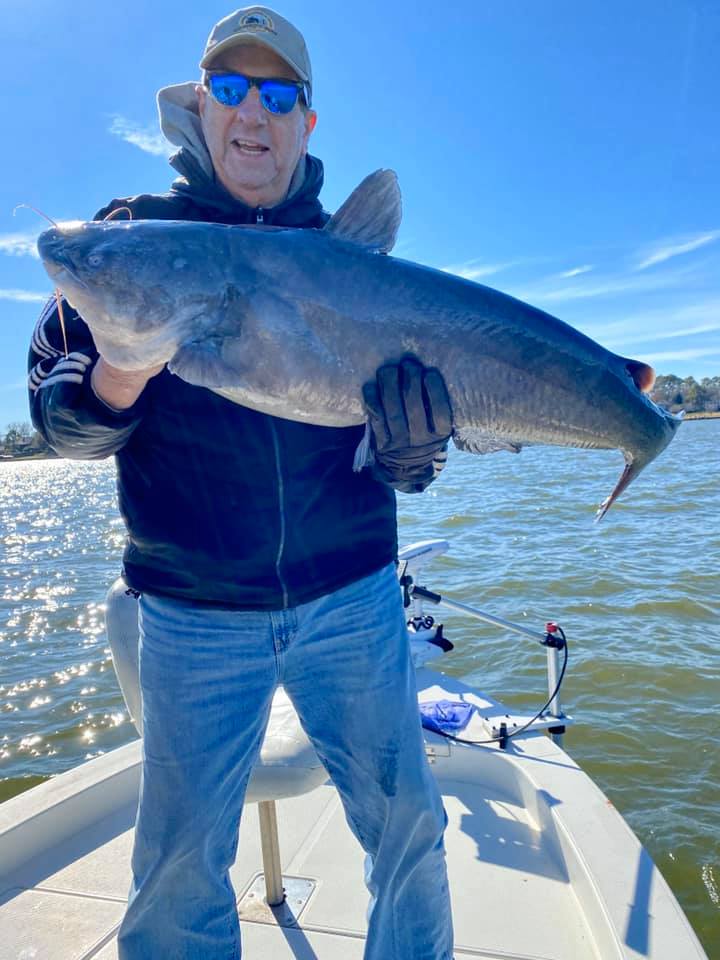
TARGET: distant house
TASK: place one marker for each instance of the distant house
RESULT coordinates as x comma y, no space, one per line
16,446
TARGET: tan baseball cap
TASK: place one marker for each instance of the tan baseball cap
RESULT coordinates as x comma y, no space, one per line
260,25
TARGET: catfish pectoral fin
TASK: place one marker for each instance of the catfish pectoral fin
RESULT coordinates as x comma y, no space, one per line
202,364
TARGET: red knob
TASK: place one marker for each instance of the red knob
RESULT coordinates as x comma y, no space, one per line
551,627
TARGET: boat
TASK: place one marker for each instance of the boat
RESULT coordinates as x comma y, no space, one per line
541,865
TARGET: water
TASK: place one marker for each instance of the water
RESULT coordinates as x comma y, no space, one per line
636,594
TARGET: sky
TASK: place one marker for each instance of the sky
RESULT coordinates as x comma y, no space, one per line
566,153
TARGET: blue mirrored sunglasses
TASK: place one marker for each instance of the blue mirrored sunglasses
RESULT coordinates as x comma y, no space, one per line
276,94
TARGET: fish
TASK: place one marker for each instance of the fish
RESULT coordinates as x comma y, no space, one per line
293,322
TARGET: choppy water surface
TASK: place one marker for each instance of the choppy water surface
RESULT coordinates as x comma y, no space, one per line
636,594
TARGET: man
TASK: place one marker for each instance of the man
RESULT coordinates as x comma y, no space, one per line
261,558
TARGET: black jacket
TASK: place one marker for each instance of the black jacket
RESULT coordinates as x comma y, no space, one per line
223,505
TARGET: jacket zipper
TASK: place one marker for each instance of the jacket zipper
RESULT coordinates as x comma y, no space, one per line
260,218
281,506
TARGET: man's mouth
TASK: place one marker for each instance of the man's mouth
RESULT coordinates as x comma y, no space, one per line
250,148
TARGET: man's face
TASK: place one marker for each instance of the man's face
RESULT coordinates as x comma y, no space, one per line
254,152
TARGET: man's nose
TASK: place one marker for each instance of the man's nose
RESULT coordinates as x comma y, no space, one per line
251,110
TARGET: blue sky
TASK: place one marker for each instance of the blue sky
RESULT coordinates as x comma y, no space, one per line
566,153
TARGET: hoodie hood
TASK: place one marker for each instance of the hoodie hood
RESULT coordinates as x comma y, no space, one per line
180,123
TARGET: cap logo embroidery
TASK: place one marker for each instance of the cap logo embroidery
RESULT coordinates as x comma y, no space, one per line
256,21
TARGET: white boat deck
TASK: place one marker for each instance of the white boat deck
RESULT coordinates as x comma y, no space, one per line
85,899
541,866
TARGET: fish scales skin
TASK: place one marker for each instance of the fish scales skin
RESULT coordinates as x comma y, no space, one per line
337,312
294,322
302,320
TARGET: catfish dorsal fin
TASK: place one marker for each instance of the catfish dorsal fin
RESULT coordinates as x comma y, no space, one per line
371,214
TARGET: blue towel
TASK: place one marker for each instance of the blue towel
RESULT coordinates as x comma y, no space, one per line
445,716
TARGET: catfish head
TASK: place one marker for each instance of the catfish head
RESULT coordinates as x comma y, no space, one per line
133,283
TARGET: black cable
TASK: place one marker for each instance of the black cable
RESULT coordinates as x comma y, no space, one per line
515,733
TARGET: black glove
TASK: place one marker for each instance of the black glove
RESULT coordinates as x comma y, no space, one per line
411,422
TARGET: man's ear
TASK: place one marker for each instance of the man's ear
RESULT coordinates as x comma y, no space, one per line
202,97
309,121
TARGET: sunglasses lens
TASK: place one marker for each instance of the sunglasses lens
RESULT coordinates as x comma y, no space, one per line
278,97
229,89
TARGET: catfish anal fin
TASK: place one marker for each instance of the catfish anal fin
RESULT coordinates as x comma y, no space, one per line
472,440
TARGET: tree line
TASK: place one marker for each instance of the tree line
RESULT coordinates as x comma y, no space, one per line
675,393
22,440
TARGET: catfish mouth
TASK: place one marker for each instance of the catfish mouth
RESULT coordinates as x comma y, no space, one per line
140,354
60,274
52,247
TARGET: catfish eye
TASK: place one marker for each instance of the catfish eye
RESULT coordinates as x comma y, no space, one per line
94,260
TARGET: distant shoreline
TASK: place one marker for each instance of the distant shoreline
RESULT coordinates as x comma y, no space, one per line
701,415
30,456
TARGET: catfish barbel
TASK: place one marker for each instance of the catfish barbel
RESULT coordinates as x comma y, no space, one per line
293,322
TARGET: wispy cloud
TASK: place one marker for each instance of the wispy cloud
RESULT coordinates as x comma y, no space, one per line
674,248
692,353
23,296
687,332
476,269
629,341
677,320
19,244
148,139
602,287
575,272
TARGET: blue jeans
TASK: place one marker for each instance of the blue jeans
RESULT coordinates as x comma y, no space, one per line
208,677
